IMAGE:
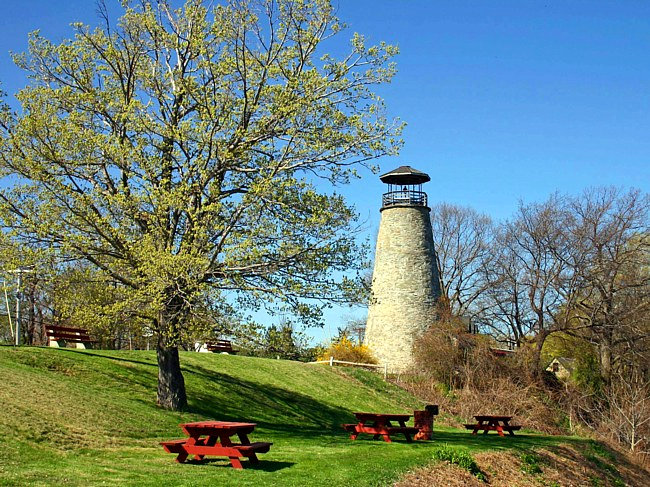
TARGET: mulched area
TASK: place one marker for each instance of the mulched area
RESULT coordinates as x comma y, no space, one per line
562,466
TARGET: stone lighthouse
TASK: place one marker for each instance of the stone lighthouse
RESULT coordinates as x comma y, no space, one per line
405,281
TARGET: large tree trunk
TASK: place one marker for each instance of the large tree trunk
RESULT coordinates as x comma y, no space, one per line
605,352
536,362
171,385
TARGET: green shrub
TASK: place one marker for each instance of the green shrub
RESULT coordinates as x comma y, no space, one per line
530,463
460,457
595,481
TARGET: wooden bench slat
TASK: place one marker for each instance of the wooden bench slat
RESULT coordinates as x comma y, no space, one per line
349,427
174,446
66,329
234,450
70,340
257,446
485,427
68,335
402,429
174,442
62,332
73,340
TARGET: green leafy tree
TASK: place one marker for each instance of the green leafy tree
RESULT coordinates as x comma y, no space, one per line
178,152
284,341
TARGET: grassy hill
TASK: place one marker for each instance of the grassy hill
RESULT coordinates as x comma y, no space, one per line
89,417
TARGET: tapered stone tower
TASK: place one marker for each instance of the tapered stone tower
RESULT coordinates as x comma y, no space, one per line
405,282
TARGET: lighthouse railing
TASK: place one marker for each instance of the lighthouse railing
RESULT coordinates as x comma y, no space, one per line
404,197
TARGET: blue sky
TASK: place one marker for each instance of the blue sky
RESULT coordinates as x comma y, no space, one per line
504,100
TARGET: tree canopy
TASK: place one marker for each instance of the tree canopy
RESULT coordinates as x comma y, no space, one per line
192,151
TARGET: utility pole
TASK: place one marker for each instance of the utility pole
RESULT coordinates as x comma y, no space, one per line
19,272
11,326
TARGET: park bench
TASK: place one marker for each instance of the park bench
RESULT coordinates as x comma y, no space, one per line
221,346
59,336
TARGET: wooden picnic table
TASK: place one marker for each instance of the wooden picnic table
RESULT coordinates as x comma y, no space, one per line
213,438
488,422
379,424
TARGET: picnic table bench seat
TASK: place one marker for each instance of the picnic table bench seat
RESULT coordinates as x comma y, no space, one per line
200,448
402,429
389,429
58,336
174,446
491,427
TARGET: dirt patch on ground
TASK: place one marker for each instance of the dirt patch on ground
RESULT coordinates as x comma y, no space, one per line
563,465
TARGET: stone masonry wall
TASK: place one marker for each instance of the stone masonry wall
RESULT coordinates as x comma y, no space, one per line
405,285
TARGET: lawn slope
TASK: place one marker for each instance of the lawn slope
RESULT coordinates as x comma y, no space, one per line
73,417
87,417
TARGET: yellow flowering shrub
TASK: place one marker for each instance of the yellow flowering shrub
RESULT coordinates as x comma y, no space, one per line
345,349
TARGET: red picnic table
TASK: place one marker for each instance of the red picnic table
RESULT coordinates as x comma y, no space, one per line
213,438
379,424
493,423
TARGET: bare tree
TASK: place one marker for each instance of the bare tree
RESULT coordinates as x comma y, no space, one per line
506,314
462,243
610,242
628,414
528,279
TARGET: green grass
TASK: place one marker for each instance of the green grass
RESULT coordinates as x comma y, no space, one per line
458,456
530,463
89,417
604,460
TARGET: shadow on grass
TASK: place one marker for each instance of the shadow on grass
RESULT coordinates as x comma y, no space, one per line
270,466
92,353
272,408
521,442
221,396
286,413
263,465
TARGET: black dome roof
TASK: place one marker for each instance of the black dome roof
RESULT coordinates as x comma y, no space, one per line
405,175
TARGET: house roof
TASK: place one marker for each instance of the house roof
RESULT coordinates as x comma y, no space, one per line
566,362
